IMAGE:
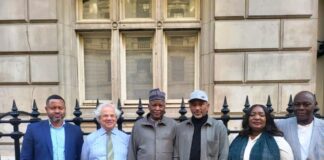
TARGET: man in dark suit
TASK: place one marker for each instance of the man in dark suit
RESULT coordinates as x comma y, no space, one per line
52,139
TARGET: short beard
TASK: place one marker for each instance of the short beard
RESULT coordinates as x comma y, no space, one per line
57,120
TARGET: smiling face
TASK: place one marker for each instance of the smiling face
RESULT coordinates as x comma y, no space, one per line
157,109
303,106
198,108
108,118
55,109
257,119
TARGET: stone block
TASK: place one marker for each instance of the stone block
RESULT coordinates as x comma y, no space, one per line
14,69
229,67
291,89
44,68
13,10
280,7
35,37
206,66
236,95
40,94
42,9
279,66
13,38
24,96
43,37
229,8
247,34
7,149
299,33
71,69
207,44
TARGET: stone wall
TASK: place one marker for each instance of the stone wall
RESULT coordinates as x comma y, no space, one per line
263,48
29,56
252,47
36,43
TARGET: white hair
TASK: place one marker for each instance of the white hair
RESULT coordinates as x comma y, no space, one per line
97,112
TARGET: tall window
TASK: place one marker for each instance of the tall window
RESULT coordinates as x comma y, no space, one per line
131,55
182,8
181,65
138,66
97,68
94,9
138,8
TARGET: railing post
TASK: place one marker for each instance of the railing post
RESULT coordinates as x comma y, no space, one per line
140,110
34,114
182,111
316,108
1,116
15,121
95,119
225,117
77,113
246,105
290,107
269,105
121,118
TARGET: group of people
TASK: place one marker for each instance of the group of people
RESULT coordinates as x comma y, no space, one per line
157,137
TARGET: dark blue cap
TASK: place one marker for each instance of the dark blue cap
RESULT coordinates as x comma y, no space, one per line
156,94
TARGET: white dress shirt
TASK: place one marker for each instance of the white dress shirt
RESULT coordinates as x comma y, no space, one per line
94,146
304,136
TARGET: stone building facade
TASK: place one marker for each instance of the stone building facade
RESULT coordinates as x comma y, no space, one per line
110,49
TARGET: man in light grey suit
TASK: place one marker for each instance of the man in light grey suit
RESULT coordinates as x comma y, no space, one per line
304,133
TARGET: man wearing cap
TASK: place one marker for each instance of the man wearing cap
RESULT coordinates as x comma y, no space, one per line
201,137
153,136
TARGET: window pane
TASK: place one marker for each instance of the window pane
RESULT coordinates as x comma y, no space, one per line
97,68
138,67
181,8
95,9
138,8
181,53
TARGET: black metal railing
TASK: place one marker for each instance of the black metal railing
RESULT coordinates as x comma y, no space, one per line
320,49
15,117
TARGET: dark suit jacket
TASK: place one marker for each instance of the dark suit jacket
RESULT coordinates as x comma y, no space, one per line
37,143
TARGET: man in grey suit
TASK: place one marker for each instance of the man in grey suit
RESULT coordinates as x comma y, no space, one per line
304,132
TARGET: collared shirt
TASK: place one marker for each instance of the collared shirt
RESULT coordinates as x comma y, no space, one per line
58,141
94,146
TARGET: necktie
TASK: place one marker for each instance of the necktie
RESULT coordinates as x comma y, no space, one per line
110,150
